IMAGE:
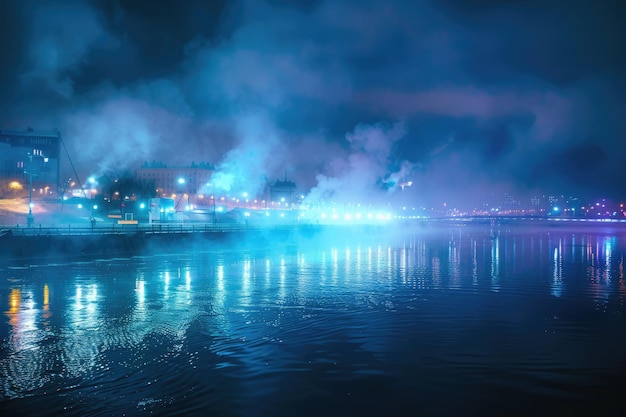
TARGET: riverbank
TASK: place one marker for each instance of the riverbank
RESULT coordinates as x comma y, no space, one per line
105,242
64,231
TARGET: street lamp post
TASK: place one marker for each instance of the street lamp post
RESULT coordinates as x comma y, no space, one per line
181,182
30,219
92,182
30,171
213,200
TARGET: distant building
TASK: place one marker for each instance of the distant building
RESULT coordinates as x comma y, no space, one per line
175,180
282,192
31,152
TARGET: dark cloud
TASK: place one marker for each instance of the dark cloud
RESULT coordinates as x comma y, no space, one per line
557,42
491,95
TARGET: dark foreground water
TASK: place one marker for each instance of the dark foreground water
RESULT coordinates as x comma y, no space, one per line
480,320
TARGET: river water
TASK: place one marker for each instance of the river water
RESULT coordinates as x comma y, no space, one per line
442,319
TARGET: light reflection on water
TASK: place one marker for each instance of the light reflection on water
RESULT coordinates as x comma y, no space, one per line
432,321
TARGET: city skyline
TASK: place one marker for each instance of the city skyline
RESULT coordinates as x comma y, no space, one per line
460,99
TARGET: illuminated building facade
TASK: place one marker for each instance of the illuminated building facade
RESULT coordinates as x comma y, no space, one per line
175,180
31,155
283,191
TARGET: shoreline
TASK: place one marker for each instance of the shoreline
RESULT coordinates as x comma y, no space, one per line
22,244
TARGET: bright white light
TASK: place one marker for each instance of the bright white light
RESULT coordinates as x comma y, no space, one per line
247,214
80,206
95,207
181,180
141,206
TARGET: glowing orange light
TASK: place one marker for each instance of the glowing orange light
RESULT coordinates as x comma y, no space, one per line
14,300
46,297
14,185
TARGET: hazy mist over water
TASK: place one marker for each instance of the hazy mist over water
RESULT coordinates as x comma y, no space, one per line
481,319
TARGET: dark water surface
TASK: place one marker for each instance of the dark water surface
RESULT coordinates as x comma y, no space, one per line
467,320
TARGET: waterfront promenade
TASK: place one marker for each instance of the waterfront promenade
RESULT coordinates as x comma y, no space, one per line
107,228
52,218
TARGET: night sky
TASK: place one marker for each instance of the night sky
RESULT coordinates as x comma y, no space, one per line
463,98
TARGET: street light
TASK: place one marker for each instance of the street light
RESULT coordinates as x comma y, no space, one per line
30,219
181,182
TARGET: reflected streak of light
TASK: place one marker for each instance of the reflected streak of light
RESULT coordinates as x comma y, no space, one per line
92,297
46,297
141,293
166,288
404,266
622,285
323,268
474,264
301,273
26,366
436,267
220,278
245,285
335,266
495,264
46,302
28,319
607,259
268,273
347,265
15,297
557,271
79,295
283,274
220,296
389,263
188,280
454,265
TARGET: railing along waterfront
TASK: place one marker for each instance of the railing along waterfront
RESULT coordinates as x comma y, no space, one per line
103,228
76,229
